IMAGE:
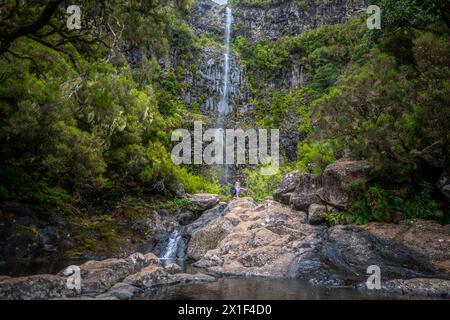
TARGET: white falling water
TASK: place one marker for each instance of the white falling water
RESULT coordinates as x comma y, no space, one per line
224,107
172,245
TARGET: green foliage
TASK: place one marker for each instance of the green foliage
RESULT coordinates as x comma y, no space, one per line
423,205
387,113
90,125
259,186
16,184
319,154
333,217
414,13
172,204
371,204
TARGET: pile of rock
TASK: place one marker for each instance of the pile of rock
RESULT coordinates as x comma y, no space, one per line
274,240
110,279
315,194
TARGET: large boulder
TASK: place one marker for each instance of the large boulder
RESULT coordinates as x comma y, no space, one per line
37,287
204,201
301,190
306,192
316,213
150,276
286,187
120,291
336,180
410,249
268,240
205,218
207,238
99,276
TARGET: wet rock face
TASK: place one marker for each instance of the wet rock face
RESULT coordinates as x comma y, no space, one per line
207,17
206,83
292,17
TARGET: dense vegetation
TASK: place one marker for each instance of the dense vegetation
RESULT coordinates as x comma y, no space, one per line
86,115
380,95
78,119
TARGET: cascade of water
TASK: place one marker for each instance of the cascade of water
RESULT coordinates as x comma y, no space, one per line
224,107
172,245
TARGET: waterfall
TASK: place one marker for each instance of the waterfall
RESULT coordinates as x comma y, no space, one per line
171,249
224,107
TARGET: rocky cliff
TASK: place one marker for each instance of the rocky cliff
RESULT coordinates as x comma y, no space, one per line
291,17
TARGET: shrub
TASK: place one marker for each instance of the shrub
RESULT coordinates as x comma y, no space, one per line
259,186
332,217
319,154
423,206
372,204
172,204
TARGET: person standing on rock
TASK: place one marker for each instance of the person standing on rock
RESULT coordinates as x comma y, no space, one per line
237,188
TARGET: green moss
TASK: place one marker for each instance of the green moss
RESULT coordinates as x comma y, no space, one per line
19,228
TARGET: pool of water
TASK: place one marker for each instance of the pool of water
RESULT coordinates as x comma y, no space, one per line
259,289
21,268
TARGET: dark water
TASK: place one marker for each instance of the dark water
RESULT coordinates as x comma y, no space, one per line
20,268
259,289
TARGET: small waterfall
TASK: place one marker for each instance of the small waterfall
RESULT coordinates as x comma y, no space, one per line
171,250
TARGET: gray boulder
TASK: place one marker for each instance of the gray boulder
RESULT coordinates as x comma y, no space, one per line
37,287
336,180
204,201
316,213
286,187
330,188
172,268
120,291
423,287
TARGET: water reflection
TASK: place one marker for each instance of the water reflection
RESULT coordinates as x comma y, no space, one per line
259,289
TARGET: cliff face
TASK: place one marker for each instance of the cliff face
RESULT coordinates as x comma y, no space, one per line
205,84
254,22
292,17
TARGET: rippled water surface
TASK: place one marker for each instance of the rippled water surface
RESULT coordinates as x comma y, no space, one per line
258,289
